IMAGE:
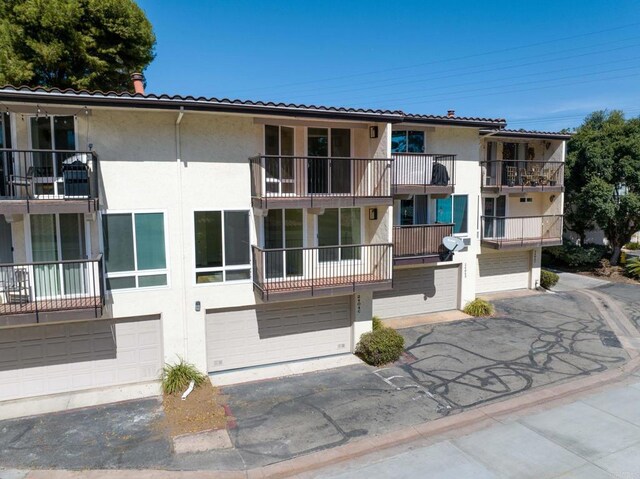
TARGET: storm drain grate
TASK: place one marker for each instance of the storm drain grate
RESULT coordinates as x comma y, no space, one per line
609,339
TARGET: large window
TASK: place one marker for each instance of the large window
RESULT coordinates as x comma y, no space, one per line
339,227
403,141
222,246
454,209
134,250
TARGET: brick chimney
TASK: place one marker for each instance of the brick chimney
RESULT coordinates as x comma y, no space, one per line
138,83
451,113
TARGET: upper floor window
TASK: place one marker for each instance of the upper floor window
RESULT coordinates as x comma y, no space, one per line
222,246
454,209
403,141
134,250
53,133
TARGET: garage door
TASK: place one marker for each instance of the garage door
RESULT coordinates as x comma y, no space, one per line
277,333
503,271
417,291
51,359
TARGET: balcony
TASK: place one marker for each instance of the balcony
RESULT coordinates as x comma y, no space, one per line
518,176
51,291
423,173
500,232
48,181
417,244
294,273
318,182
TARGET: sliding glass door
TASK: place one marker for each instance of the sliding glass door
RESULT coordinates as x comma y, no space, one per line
495,209
50,133
57,238
279,164
283,229
333,175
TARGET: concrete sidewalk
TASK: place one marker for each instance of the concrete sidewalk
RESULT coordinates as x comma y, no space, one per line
597,436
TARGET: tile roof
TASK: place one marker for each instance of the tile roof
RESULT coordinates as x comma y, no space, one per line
522,133
150,100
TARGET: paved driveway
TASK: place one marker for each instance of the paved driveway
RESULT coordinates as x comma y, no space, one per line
533,341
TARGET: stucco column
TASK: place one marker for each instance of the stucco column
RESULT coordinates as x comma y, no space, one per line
534,279
362,312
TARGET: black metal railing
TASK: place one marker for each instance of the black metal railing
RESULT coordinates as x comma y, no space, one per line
423,170
419,240
523,174
48,286
522,230
319,177
48,174
290,270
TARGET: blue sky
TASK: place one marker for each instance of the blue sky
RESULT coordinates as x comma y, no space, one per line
541,64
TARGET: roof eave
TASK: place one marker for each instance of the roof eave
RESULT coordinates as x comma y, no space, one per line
527,134
190,105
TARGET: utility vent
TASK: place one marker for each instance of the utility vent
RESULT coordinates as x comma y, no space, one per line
467,241
341,346
217,362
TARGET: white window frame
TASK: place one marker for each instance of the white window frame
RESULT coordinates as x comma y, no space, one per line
222,268
279,180
136,274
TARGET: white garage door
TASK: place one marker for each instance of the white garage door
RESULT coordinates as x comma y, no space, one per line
503,271
61,358
277,333
418,291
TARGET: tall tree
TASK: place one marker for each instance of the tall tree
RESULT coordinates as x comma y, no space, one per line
603,178
80,44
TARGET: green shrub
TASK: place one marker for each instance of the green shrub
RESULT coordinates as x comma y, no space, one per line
632,268
380,346
176,377
479,307
548,279
632,246
571,255
377,323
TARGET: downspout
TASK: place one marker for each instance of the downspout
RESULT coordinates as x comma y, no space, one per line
185,327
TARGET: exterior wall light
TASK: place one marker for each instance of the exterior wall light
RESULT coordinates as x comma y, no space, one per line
198,306
373,213
373,132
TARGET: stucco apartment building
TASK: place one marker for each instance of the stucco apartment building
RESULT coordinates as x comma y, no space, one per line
136,229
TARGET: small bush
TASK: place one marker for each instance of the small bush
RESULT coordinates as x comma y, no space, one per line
632,268
548,279
176,377
571,255
479,307
632,246
380,346
377,323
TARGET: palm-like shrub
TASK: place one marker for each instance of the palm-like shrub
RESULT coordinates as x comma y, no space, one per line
632,268
176,377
